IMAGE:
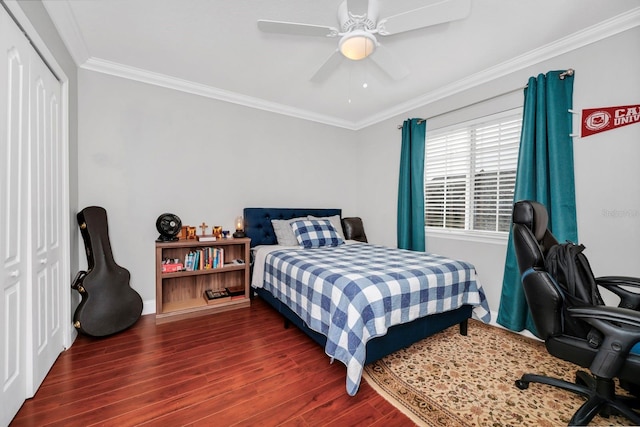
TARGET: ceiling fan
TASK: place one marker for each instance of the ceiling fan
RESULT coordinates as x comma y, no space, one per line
359,25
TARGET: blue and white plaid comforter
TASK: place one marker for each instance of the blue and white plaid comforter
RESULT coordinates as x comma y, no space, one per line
352,293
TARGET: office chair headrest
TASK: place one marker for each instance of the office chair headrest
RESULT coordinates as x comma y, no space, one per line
532,215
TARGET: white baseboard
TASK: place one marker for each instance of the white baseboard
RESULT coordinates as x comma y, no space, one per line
149,307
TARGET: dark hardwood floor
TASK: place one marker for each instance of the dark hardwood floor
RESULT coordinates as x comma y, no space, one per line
235,368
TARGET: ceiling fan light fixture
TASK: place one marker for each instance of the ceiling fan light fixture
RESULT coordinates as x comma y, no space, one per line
357,45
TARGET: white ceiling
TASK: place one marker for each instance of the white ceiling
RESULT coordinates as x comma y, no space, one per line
214,48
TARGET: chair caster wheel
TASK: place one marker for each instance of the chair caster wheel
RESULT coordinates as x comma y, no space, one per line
522,385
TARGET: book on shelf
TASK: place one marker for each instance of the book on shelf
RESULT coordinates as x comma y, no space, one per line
204,259
207,238
217,296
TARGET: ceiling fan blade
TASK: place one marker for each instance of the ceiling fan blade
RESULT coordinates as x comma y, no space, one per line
343,14
436,13
388,63
296,28
328,67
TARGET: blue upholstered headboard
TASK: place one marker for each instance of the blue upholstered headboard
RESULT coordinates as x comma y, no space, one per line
257,221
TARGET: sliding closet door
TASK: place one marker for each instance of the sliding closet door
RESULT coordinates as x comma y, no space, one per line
14,132
45,178
31,220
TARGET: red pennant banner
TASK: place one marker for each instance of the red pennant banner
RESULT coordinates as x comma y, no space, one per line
596,120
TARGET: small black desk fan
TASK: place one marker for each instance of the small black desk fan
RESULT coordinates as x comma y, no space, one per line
168,226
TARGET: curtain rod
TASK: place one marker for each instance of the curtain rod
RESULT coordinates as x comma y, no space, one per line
562,75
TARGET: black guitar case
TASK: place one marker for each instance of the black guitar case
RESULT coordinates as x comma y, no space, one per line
109,304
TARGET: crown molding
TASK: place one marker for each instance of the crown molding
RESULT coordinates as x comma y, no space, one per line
595,33
65,22
162,80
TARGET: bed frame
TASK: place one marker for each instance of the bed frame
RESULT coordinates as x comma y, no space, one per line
258,227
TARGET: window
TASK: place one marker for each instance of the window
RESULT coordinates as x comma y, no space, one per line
470,173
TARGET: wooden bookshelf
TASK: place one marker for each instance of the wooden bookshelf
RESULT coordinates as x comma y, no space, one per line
180,295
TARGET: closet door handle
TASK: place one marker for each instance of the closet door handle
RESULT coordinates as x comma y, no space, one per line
14,273
43,261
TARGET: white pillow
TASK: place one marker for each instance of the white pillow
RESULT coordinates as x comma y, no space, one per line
284,232
335,221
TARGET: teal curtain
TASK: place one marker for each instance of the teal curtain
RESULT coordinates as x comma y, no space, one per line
411,186
545,174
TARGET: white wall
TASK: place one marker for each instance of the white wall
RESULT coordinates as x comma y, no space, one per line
145,150
606,165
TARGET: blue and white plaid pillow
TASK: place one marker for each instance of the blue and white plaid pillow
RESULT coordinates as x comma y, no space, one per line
314,233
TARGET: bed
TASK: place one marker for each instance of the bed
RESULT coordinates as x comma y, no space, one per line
359,301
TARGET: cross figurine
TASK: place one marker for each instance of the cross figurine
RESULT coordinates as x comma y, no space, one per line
203,227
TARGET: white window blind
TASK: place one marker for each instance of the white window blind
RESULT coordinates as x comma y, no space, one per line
470,173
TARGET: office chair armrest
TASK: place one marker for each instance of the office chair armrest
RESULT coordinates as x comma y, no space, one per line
617,339
619,280
608,314
628,299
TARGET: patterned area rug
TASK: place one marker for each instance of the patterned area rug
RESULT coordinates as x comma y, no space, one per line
452,380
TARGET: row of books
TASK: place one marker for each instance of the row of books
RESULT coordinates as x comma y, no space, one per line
204,259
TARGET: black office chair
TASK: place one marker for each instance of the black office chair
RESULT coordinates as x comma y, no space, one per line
619,326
